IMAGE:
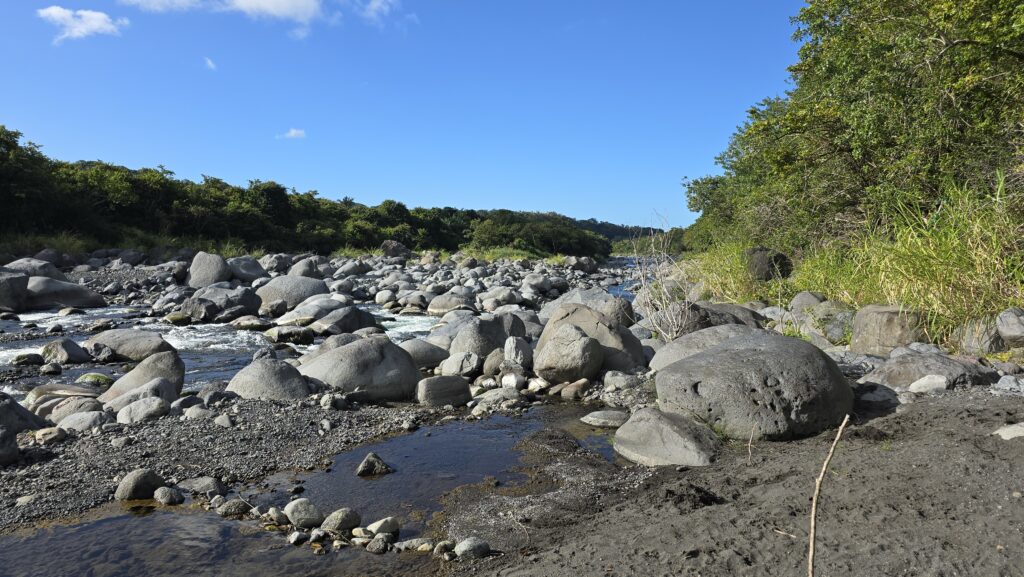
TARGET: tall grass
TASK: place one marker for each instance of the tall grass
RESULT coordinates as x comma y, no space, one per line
961,260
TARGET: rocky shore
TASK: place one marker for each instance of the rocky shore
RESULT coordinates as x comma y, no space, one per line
718,411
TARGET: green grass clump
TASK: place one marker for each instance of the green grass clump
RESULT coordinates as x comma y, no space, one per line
958,261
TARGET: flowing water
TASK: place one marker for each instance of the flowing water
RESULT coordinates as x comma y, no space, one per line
118,540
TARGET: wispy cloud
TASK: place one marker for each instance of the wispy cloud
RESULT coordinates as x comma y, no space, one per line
162,5
301,11
80,23
293,133
210,63
377,10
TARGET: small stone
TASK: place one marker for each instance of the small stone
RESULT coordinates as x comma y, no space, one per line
234,508
362,533
138,484
303,514
224,421
341,520
50,435
378,545
168,496
317,535
607,419
216,501
444,547
929,384
298,538
385,525
50,369
24,500
277,516
373,465
472,548
1008,432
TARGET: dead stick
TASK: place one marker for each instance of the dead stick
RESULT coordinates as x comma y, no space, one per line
750,445
817,491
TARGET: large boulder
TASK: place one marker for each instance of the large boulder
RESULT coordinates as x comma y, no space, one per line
699,341
64,351
622,351
618,309
878,329
344,320
269,379
979,337
441,391
771,387
47,293
383,370
305,267
1009,324
36,267
129,344
448,302
85,421
13,290
903,370
568,355
167,365
246,268
480,337
16,418
157,388
303,514
9,452
145,409
225,297
291,289
393,248
426,355
765,264
207,269
653,438
70,406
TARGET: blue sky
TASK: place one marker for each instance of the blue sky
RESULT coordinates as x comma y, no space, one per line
590,108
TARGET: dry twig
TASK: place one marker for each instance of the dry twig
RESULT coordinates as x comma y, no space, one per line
817,491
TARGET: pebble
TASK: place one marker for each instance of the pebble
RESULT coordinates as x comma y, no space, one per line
168,496
224,421
1008,432
385,525
472,548
298,538
372,466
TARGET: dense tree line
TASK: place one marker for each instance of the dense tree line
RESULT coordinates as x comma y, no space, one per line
894,101
106,202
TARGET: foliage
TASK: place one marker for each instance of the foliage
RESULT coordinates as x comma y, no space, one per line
892,101
108,205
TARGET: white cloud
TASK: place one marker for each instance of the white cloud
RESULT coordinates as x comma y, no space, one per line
162,5
293,133
210,63
80,23
377,10
301,11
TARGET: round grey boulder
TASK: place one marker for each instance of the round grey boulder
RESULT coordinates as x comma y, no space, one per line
380,368
246,268
47,293
472,548
207,269
16,418
271,380
426,355
700,341
130,344
568,355
85,421
774,387
64,351
341,520
606,419
441,391
303,514
291,289
167,365
141,410
138,484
